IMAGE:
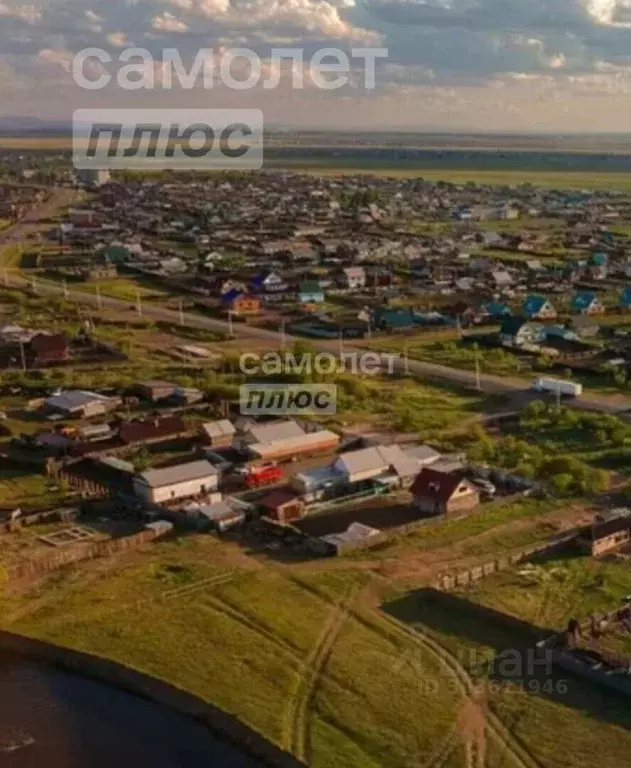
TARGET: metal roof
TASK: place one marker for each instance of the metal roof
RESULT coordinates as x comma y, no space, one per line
275,432
220,428
180,473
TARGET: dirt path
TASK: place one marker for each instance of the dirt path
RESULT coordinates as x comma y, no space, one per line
475,717
297,728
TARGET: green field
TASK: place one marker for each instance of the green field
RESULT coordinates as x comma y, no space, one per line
307,658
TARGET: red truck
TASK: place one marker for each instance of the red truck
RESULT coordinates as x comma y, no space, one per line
262,474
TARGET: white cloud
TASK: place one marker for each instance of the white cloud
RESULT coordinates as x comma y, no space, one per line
167,22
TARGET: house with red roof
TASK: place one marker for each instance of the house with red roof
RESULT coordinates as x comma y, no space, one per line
443,493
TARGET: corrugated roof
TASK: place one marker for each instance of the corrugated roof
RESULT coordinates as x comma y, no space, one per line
219,428
181,473
279,430
303,442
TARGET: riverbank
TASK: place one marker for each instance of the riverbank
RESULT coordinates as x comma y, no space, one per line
223,725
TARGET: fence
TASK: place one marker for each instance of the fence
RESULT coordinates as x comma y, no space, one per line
79,553
450,581
61,515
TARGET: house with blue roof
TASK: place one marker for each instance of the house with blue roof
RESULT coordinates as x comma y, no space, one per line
539,308
586,303
625,298
386,319
495,310
561,332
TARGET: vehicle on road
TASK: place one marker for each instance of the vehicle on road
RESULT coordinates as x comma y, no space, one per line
259,475
557,387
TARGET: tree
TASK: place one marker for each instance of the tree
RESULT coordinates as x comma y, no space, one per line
562,483
142,460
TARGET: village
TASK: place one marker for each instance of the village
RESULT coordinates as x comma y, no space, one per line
122,434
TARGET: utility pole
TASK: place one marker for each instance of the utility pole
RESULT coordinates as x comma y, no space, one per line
22,356
138,303
181,311
99,303
341,339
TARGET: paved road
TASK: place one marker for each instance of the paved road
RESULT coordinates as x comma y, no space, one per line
489,384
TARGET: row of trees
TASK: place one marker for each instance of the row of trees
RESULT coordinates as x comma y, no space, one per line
565,475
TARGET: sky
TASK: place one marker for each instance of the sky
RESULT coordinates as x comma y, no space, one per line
457,65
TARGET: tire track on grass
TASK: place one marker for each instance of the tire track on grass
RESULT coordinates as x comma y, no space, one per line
502,735
297,725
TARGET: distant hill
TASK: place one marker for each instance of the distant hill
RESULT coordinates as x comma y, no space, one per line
13,125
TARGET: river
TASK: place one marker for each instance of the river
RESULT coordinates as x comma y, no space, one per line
51,719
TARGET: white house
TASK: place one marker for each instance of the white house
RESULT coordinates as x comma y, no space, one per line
173,483
355,277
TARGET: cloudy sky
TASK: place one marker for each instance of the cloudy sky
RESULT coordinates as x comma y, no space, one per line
463,65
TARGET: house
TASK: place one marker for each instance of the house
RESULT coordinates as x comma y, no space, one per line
354,278
79,404
220,432
585,327
598,266
282,506
625,298
385,319
502,278
174,483
310,292
267,433
49,348
586,303
539,308
241,303
154,391
370,463
440,493
268,282
495,310
218,515
423,455
518,332
151,430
